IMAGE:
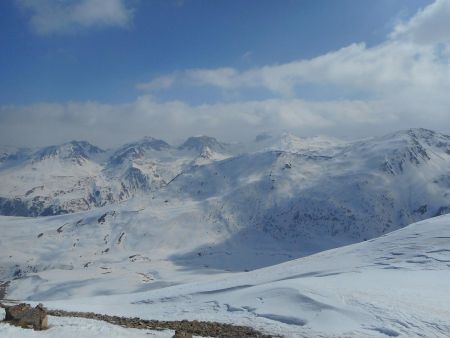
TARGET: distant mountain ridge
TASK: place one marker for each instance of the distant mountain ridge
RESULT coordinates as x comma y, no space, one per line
77,175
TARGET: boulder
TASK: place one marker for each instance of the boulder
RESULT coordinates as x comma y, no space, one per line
26,316
182,334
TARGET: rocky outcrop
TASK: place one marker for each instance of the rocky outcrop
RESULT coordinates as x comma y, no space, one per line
25,316
182,334
184,328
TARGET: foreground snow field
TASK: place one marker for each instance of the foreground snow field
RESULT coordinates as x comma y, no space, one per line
395,285
80,328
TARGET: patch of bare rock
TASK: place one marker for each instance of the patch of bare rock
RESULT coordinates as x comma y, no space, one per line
182,328
26,316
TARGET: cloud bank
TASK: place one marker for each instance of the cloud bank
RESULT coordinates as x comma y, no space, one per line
106,125
413,59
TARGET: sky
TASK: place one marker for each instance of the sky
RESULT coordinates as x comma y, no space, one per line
112,71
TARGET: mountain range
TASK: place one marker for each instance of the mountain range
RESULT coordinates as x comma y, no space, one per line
149,217
361,188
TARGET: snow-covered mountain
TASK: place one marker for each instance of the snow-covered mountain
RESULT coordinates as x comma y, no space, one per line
347,192
74,151
264,207
298,191
78,176
185,217
200,143
331,175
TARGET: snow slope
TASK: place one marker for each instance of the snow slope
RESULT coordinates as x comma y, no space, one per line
392,286
242,213
204,211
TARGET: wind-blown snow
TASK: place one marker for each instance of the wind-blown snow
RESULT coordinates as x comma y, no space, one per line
395,285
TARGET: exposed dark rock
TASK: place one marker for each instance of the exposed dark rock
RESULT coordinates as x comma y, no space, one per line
186,327
25,316
136,180
102,218
3,289
14,207
422,209
120,238
443,211
182,334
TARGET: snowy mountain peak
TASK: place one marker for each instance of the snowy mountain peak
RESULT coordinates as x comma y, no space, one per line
425,136
403,149
76,151
430,138
136,150
153,143
199,143
291,143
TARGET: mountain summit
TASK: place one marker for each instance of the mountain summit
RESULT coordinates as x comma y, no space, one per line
199,143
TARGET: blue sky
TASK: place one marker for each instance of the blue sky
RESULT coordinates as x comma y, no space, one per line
71,64
164,36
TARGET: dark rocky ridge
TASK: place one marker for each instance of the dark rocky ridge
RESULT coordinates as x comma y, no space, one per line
199,328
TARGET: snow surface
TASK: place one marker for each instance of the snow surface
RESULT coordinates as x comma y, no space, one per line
195,219
395,285
80,328
242,213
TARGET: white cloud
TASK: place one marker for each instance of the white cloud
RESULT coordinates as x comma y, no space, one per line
106,124
377,70
162,82
429,26
49,17
414,58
